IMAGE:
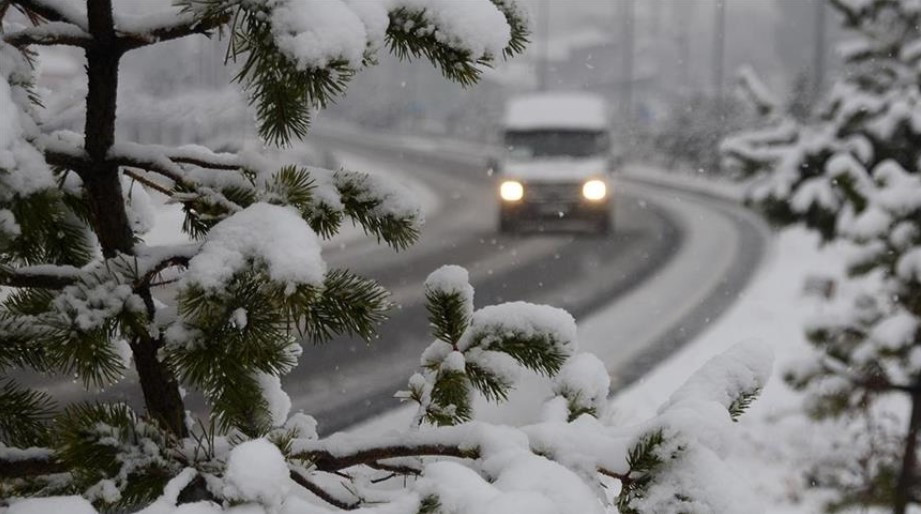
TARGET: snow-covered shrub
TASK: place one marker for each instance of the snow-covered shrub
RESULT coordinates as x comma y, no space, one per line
85,297
855,174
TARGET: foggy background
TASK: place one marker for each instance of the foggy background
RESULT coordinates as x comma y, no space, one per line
667,66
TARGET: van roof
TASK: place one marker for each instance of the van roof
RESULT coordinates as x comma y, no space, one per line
557,110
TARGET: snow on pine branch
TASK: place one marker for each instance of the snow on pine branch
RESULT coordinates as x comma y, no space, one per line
23,170
274,237
298,55
461,466
482,350
211,186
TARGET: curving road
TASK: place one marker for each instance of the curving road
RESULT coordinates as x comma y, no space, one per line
347,381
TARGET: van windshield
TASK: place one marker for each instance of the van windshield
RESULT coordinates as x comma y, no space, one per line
533,144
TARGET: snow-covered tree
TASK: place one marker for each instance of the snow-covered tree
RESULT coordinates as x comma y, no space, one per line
855,175
225,315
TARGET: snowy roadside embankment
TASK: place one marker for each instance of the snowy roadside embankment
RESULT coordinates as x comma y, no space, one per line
701,184
778,442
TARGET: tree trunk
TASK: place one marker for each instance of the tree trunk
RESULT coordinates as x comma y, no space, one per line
105,198
906,483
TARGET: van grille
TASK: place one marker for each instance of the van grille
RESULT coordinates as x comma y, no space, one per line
552,192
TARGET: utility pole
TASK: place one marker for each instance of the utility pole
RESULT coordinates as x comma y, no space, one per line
818,56
627,47
682,20
719,46
543,18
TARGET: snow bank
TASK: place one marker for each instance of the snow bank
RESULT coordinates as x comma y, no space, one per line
62,504
776,443
743,369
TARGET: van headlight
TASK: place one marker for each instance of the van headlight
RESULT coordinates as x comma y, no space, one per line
511,191
594,190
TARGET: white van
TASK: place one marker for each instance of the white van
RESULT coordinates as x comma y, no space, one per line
556,162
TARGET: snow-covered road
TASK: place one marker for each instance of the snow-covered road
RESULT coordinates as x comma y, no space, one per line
676,261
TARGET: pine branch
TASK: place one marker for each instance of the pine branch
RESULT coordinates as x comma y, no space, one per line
742,403
51,232
411,36
451,400
448,314
24,415
520,32
643,460
347,304
111,442
364,204
152,158
163,165
851,15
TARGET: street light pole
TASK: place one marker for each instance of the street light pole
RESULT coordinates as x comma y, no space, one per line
543,18
627,44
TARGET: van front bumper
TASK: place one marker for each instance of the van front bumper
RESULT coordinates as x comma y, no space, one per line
523,211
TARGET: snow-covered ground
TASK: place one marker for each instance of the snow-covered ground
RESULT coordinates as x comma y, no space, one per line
777,441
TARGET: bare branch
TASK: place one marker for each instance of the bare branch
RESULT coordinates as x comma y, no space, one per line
395,468
324,460
68,160
147,182
166,167
30,467
169,262
181,29
201,163
321,493
42,277
49,34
